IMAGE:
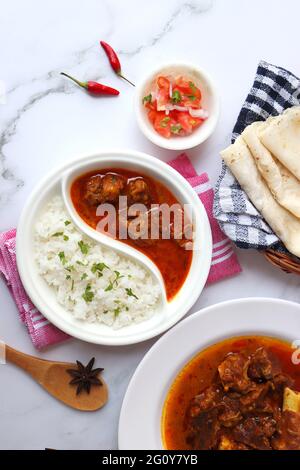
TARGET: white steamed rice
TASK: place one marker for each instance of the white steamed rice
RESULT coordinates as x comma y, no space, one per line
83,285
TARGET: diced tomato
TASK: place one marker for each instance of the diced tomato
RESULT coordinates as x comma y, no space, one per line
151,105
162,126
188,87
163,82
191,95
163,98
184,118
183,84
190,102
152,116
196,122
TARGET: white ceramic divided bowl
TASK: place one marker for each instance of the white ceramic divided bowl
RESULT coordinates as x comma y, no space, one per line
44,298
210,102
140,419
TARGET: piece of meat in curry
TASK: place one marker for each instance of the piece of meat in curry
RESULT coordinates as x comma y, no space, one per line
101,189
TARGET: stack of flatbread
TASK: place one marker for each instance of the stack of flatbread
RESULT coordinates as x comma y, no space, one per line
265,160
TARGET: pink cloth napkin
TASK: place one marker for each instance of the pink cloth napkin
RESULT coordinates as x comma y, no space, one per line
42,332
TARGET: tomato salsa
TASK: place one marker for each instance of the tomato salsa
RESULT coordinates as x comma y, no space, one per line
174,106
92,189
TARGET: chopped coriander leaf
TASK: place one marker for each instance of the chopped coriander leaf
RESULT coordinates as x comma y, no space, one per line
192,86
84,247
176,96
191,97
97,268
62,257
84,276
117,311
81,263
164,121
176,128
118,275
126,308
58,234
69,268
109,287
66,238
88,295
67,222
68,277
130,293
114,283
72,286
147,99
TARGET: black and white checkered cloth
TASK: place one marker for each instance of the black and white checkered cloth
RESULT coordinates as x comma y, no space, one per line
274,90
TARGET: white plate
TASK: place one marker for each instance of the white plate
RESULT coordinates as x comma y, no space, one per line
43,296
140,419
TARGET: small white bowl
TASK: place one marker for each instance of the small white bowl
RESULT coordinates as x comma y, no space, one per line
210,102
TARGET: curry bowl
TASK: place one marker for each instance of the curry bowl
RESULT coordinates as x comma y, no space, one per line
168,365
57,184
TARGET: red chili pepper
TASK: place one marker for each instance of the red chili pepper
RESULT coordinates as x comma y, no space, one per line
94,88
114,60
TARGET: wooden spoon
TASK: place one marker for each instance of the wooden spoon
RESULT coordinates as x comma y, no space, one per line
54,378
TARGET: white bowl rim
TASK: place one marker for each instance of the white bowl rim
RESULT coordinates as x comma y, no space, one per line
133,438
180,143
47,312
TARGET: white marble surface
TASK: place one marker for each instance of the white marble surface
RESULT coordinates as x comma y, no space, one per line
46,120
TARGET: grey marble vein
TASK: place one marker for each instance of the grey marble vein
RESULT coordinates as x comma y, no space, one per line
6,174
196,8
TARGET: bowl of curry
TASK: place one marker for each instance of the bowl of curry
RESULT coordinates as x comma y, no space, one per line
103,186
225,378
142,208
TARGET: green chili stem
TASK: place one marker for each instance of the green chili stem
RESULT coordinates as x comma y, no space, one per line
124,78
82,84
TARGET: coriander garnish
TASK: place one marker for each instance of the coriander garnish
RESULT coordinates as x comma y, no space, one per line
176,128
84,247
67,222
62,257
58,234
192,86
164,121
176,96
81,263
147,99
97,268
114,283
117,311
130,293
88,295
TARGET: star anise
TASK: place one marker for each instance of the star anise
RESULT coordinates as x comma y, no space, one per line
85,376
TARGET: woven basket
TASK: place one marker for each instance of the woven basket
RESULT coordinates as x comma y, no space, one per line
283,261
